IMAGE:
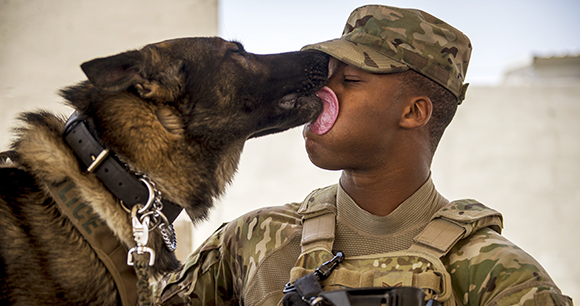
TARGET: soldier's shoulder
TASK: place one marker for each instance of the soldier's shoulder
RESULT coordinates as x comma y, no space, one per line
236,248
486,266
252,226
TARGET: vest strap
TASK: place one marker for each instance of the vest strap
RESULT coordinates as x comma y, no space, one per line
438,237
318,232
111,252
318,212
448,226
345,278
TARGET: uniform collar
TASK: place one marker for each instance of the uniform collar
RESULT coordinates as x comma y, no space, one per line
415,210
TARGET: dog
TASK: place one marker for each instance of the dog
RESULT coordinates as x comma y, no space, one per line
172,116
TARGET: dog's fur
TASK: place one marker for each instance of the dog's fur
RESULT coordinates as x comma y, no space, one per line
178,111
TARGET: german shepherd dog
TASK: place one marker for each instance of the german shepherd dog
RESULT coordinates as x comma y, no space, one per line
174,117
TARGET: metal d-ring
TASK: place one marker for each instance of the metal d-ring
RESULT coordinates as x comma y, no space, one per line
151,198
152,215
127,210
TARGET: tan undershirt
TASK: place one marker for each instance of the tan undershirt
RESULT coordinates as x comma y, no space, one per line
359,232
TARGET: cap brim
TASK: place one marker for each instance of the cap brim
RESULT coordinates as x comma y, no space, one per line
358,55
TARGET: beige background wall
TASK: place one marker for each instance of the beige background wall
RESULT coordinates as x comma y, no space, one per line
515,149
42,44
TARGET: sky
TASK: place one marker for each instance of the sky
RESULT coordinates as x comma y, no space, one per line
505,34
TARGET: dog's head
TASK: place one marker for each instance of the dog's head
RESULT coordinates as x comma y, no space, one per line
219,89
180,110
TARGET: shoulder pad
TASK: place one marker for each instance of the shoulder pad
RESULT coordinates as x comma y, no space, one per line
455,221
471,215
319,202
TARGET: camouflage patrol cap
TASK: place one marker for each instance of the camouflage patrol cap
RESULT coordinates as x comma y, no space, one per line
384,39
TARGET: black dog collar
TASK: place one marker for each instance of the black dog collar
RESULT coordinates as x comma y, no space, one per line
109,170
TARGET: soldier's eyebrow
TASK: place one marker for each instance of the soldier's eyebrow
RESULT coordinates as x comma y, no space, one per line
348,69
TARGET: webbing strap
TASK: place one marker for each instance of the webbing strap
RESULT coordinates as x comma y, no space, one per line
438,237
345,278
455,221
318,232
108,248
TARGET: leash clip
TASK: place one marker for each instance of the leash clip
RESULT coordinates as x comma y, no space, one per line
154,209
140,228
146,218
141,237
141,251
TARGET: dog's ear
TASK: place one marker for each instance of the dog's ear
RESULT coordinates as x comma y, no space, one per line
115,73
154,77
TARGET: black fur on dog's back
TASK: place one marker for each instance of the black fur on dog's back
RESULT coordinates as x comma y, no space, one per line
178,111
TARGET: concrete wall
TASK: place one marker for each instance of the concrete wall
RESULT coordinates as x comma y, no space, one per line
517,149
42,44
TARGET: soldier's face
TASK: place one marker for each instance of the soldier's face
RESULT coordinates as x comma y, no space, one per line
368,118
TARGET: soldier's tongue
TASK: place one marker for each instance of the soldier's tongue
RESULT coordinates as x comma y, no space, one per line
326,120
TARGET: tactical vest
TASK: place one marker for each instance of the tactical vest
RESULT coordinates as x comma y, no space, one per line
419,266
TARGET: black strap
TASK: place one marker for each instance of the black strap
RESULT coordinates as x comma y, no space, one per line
393,296
110,171
305,290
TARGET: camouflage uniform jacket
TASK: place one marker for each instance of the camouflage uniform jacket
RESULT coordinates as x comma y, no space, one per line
248,261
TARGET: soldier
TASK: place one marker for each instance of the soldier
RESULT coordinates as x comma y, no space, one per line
396,79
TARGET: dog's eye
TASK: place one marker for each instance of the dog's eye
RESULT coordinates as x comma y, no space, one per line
237,48
238,51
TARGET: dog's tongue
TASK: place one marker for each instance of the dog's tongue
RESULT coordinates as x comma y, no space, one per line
326,120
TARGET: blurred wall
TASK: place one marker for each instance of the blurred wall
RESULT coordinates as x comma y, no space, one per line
517,150
42,44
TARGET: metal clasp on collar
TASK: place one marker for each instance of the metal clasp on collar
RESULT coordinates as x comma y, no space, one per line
141,237
140,218
146,218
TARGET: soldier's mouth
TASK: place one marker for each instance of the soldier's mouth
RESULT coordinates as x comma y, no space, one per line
327,118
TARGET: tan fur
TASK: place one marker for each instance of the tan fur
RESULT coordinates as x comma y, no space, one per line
169,120
51,159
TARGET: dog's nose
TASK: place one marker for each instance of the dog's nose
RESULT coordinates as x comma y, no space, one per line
317,71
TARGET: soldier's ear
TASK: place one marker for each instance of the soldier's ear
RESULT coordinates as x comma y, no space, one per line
115,73
417,112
